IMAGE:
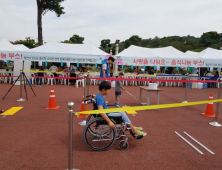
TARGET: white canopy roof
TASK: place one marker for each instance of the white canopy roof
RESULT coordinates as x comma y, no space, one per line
142,52
191,52
209,53
135,51
21,47
55,47
7,46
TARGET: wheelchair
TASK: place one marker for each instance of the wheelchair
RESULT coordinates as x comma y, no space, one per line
97,133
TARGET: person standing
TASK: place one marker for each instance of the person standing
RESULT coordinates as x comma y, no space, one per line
39,79
104,72
118,89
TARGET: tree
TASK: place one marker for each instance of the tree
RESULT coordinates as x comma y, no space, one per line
134,40
28,42
105,43
67,41
43,6
210,38
76,39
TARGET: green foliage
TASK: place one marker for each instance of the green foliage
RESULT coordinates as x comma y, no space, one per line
67,41
105,43
76,39
128,70
210,38
51,5
133,40
28,42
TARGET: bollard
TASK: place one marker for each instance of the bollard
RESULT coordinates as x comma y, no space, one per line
83,123
70,164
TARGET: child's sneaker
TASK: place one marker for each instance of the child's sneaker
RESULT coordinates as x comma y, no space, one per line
118,104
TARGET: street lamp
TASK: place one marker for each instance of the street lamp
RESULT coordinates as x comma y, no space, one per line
116,53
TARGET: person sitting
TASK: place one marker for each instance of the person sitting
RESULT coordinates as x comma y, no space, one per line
135,71
104,89
66,70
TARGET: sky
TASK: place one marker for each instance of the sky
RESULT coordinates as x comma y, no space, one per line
96,20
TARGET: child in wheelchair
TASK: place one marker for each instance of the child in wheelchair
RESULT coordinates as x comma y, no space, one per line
104,89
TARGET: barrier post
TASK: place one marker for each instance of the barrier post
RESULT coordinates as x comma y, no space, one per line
217,111
83,123
185,93
70,162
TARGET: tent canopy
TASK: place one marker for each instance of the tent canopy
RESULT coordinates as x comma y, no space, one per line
82,49
141,52
168,56
191,52
57,52
209,53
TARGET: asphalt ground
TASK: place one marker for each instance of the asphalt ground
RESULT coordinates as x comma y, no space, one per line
37,139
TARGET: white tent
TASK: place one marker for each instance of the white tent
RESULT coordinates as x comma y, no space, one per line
81,49
62,52
21,47
7,46
191,52
209,53
166,56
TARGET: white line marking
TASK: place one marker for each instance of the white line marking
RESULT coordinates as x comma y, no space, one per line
189,143
199,143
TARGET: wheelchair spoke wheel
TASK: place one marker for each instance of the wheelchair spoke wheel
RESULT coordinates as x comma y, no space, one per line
123,146
98,136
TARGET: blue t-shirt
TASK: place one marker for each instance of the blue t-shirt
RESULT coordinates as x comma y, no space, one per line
100,101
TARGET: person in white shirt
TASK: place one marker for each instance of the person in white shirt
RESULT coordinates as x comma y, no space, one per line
73,67
209,74
54,68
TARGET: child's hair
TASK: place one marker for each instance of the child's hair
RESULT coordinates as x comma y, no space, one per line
121,74
104,85
111,58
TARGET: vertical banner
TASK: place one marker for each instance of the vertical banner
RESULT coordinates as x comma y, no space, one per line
211,69
165,67
40,63
131,67
68,64
188,68
207,68
218,69
61,64
144,67
177,68
154,67
77,64
96,65
46,63
122,66
158,68
6,62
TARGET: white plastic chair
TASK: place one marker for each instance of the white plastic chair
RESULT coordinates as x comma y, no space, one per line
33,78
50,79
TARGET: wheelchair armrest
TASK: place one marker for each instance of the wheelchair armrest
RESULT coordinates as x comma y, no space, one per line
89,100
92,95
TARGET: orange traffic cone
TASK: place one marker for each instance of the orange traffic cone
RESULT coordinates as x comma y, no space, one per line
52,101
80,116
210,108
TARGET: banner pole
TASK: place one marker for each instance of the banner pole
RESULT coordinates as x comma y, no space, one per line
21,99
217,111
185,93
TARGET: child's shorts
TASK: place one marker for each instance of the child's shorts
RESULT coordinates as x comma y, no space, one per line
118,94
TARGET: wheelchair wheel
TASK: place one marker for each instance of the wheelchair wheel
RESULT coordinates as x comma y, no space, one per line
98,136
121,147
90,117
